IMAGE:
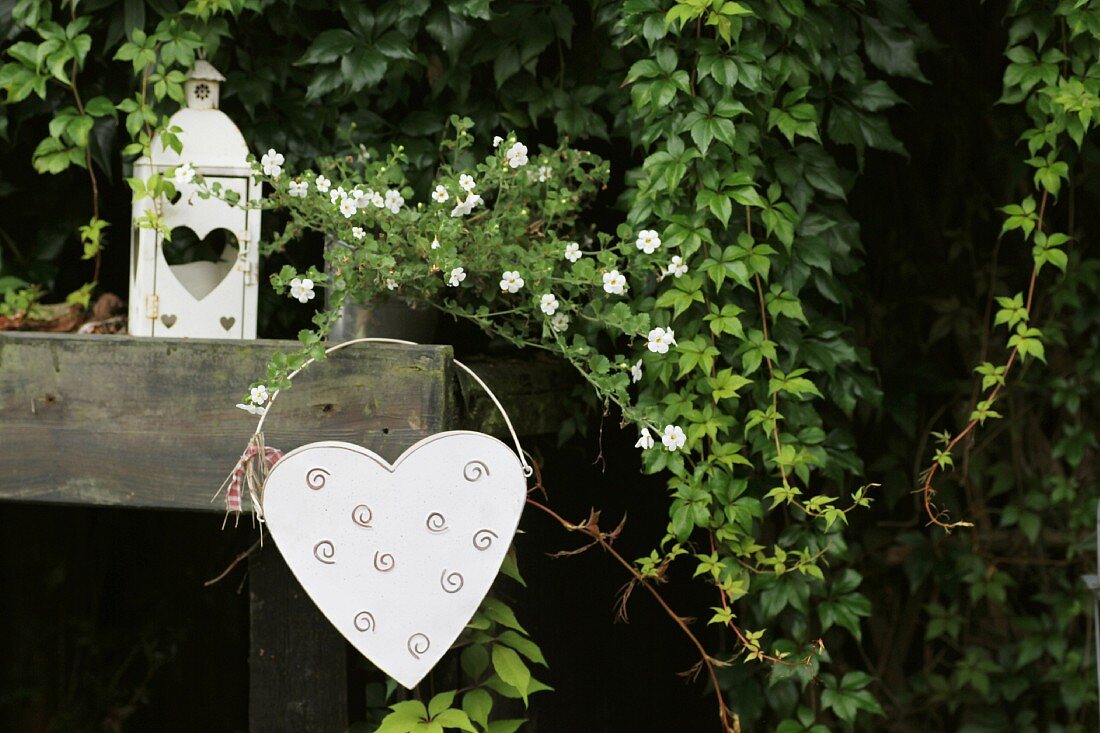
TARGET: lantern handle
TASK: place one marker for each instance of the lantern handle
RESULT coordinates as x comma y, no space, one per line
527,469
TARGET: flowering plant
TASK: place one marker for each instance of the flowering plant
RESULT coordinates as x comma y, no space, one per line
498,242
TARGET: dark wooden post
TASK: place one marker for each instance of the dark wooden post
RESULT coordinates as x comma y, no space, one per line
297,662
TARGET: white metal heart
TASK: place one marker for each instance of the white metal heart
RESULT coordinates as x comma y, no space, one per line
398,557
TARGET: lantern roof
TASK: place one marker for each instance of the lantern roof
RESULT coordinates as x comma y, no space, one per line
203,70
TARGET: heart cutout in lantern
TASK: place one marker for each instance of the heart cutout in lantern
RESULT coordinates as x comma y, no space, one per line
200,265
168,320
227,322
398,557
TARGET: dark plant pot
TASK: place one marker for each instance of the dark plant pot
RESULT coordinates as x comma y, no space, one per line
392,317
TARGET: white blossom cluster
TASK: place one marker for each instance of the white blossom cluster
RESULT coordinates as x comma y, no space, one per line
462,197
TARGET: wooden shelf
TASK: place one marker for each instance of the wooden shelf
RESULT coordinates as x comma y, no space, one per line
151,423
139,422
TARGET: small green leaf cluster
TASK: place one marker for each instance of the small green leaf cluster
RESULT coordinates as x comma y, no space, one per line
496,659
50,70
1008,640
1053,78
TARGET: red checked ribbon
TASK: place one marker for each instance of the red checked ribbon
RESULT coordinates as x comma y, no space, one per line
234,493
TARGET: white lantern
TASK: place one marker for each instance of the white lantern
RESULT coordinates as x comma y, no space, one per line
215,295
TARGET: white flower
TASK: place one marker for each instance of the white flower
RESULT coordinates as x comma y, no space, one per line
544,173
466,182
377,200
440,194
358,232
548,304
572,251
636,371
614,283
510,281
356,195
673,437
435,243
323,184
272,163
260,411
391,284
302,289
258,395
337,194
462,208
185,173
299,189
660,339
394,200
457,276
645,440
497,140
676,268
348,207
648,241
516,155
560,322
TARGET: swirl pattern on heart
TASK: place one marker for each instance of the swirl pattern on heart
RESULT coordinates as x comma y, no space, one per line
440,521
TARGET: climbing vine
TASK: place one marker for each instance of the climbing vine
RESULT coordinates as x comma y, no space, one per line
1052,62
719,296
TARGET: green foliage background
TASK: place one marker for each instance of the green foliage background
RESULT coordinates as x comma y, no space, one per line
886,258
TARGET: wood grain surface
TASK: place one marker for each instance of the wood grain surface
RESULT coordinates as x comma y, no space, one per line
118,420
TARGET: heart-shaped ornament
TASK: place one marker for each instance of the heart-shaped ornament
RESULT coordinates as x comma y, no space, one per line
398,557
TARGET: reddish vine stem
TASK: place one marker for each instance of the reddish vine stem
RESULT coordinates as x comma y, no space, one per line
727,603
767,359
939,517
729,719
236,561
87,155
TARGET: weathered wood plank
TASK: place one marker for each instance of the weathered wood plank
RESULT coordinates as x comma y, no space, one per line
534,391
297,663
118,420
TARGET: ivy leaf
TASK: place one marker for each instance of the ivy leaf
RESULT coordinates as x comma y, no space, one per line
329,46
874,96
477,704
440,702
850,696
499,612
505,726
363,67
524,646
511,669
454,719
890,49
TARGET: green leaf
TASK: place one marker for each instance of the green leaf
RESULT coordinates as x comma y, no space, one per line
475,660
505,726
890,49
440,702
523,645
502,614
478,704
455,719
511,669
100,107
329,45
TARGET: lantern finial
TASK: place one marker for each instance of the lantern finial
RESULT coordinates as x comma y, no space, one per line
202,86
